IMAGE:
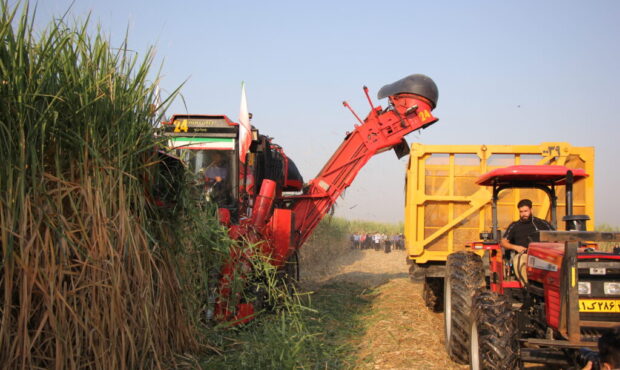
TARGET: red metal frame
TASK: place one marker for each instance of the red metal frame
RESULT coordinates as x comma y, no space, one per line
497,267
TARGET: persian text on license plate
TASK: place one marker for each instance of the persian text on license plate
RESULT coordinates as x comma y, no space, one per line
599,305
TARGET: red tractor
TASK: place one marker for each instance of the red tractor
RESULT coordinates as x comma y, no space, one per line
494,320
264,199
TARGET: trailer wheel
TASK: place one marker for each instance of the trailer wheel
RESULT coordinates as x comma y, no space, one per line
416,272
493,342
464,276
433,295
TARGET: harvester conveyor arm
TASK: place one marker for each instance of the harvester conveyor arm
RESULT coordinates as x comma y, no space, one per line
380,131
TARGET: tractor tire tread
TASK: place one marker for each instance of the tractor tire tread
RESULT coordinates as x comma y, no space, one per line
497,331
466,274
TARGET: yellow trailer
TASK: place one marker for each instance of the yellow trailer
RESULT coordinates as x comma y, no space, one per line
445,209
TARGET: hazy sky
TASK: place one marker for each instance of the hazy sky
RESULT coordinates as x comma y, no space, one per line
508,72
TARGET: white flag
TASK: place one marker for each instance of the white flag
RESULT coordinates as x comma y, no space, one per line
245,130
156,107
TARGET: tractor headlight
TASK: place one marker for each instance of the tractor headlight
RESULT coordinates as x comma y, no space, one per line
612,288
585,287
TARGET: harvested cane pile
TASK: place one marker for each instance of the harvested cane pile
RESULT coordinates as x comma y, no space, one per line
88,272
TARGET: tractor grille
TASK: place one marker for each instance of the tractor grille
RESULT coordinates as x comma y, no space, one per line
596,272
599,316
587,267
593,274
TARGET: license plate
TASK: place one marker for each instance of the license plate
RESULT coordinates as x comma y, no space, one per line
598,271
599,305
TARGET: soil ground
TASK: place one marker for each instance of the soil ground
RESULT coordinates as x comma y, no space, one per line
392,328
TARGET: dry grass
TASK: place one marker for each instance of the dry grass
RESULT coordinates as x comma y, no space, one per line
330,241
402,333
394,329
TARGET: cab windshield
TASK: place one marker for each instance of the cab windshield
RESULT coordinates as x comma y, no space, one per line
212,171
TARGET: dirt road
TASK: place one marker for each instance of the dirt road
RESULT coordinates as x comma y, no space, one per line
397,331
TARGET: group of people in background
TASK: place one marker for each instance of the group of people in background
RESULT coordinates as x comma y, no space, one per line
377,241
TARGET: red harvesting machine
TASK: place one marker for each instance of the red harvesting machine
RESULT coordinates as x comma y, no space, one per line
264,199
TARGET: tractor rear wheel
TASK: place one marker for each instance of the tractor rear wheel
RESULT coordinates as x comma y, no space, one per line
493,333
464,276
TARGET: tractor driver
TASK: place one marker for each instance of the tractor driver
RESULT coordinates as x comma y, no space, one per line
520,234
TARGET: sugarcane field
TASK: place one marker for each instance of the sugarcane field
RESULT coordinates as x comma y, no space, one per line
278,185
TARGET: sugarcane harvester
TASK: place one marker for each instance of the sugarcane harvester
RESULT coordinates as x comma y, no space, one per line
265,201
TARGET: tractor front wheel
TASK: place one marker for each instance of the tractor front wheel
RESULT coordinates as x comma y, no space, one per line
493,342
464,276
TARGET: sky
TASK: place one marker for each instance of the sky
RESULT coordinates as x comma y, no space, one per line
508,72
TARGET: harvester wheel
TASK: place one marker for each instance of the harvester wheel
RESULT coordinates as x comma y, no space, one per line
289,274
433,297
464,276
493,333
258,295
265,296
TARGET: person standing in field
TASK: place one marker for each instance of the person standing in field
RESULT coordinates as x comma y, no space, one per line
376,237
368,241
388,244
356,240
